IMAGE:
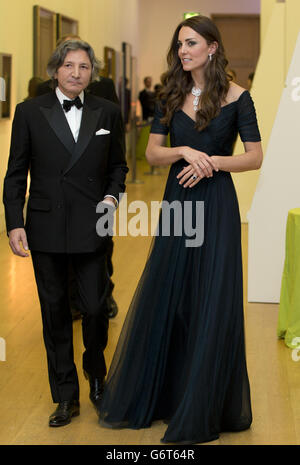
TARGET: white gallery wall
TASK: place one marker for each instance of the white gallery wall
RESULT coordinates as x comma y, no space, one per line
278,187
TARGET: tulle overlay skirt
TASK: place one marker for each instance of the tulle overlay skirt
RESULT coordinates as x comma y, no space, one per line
181,353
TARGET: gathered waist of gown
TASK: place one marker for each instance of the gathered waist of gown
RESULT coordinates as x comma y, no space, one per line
219,188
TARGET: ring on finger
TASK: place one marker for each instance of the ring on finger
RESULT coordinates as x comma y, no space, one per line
194,177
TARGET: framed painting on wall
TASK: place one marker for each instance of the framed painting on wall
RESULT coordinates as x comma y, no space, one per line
44,39
109,69
66,26
5,74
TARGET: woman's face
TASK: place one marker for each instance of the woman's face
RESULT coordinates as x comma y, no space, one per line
193,50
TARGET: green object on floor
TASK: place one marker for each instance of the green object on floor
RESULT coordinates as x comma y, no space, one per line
289,308
142,141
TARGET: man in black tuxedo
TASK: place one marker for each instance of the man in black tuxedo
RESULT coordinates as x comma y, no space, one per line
72,143
105,88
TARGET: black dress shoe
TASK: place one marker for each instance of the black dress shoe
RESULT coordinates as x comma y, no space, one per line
64,413
96,390
112,307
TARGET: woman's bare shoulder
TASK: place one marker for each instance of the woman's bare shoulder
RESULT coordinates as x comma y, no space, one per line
234,92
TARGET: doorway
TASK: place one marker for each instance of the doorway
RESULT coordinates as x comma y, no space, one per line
241,40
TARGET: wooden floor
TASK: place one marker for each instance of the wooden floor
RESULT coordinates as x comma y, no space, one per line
25,402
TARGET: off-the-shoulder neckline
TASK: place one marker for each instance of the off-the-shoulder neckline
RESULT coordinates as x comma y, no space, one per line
223,106
235,101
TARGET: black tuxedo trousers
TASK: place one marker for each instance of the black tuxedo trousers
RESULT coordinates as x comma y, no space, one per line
91,276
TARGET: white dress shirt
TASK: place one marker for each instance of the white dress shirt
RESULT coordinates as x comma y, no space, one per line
74,114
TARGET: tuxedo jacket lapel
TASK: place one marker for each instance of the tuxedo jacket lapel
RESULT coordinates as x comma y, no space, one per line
89,121
54,114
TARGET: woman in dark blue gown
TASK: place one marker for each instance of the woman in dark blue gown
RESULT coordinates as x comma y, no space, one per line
181,353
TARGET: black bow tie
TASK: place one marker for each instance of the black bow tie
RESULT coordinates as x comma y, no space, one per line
69,103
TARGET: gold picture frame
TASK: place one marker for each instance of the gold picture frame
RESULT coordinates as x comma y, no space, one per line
109,69
44,39
5,75
66,26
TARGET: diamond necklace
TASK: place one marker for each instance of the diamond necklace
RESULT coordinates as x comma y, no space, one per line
196,92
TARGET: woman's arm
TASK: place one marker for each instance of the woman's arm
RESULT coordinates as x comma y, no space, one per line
250,160
158,155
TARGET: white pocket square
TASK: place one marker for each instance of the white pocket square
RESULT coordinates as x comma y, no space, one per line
102,132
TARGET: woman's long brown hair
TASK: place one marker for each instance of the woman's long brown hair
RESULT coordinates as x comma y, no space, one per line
177,83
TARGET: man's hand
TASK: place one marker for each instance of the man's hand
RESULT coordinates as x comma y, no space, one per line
110,201
18,236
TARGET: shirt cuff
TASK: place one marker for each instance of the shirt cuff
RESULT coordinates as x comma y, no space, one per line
114,198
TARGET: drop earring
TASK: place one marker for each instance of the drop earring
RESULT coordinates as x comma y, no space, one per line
210,56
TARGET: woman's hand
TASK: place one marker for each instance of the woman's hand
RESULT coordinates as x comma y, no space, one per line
188,177
200,166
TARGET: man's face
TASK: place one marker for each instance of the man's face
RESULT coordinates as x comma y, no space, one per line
74,74
148,83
